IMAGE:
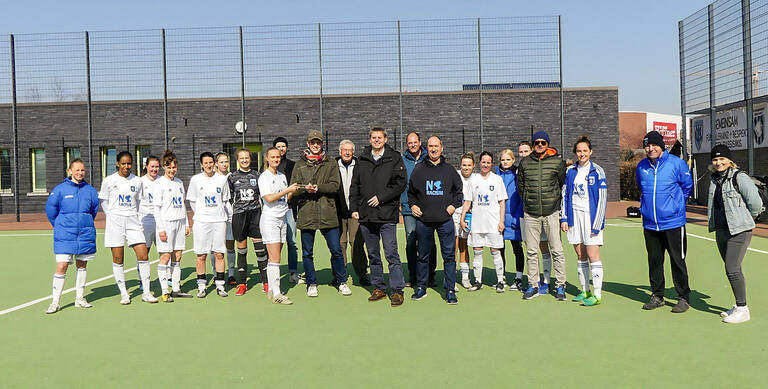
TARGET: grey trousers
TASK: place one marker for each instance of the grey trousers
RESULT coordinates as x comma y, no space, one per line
532,234
732,249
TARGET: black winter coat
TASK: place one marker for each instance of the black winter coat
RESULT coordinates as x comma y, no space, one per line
385,179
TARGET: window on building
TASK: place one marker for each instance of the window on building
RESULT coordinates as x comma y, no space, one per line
256,155
5,171
70,154
108,160
142,152
37,161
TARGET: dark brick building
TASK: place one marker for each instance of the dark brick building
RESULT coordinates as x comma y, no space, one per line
509,116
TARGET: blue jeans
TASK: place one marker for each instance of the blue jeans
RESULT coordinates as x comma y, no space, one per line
332,236
411,248
290,240
387,233
425,232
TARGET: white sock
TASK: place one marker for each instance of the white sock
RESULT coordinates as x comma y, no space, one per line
582,269
144,275
219,284
546,266
498,263
231,262
138,268
117,271
80,283
201,284
176,276
477,264
162,277
597,277
464,267
273,277
58,286
518,275
168,272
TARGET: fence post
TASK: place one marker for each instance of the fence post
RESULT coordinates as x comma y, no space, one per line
746,35
560,63
400,81
89,108
165,92
320,67
684,126
480,84
711,51
15,123
242,84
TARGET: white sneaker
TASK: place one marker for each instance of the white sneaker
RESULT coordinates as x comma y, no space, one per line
221,292
148,298
125,299
294,278
312,291
466,283
82,303
201,293
728,312
53,308
281,299
739,315
344,290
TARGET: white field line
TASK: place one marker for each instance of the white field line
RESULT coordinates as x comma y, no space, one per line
41,299
688,233
49,234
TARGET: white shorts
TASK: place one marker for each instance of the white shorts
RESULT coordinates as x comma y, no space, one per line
581,231
175,232
148,224
542,237
493,240
229,231
121,229
209,236
273,230
71,258
458,231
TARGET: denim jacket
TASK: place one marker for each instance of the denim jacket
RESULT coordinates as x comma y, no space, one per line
740,206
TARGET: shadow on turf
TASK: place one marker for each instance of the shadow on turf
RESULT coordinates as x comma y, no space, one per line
642,293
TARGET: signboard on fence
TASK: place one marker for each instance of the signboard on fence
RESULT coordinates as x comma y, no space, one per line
667,130
731,129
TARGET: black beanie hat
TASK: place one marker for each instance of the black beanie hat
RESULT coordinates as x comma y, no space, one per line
653,138
720,151
278,140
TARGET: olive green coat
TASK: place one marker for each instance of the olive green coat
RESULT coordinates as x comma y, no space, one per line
540,183
316,210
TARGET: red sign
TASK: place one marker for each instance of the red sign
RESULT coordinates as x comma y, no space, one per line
667,130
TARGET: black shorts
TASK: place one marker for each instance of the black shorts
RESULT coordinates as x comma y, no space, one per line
246,224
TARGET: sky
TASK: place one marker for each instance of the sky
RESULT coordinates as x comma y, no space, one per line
629,44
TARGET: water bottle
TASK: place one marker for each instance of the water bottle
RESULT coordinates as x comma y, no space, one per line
468,221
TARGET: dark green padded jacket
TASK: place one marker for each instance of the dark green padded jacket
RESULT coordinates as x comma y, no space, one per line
540,183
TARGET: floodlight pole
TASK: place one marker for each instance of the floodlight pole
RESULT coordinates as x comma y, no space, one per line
746,38
90,108
480,84
15,123
242,86
560,61
165,92
320,67
400,81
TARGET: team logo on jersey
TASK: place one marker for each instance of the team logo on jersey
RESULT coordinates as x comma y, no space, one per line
491,188
176,202
246,194
591,180
124,200
133,188
434,188
149,197
210,201
218,190
254,182
482,200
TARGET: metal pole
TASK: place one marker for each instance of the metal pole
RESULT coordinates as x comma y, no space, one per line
400,81
712,110
242,85
684,126
320,62
90,107
165,93
480,82
560,60
746,34
15,123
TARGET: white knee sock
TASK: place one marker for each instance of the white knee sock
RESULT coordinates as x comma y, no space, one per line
144,275
582,270
464,267
597,277
498,263
201,283
176,276
546,266
80,283
273,277
477,264
117,271
58,286
231,262
162,277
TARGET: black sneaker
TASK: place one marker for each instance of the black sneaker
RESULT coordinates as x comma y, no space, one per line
450,297
419,294
531,292
500,287
475,286
681,306
653,303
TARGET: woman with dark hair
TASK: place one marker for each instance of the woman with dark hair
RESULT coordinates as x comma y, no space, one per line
71,208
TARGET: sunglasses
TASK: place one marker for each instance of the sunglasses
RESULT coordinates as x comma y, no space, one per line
540,142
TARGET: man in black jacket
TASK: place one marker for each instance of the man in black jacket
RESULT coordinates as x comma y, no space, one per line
434,192
374,199
286,167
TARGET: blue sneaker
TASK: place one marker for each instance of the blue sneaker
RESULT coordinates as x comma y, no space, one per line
560,293
543,288
450,298
419,294
530,293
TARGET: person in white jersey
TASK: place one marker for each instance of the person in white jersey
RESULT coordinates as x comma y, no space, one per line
467,163
208,194
120,193
146,209
274,191
486,195
172,227
222,167
583,218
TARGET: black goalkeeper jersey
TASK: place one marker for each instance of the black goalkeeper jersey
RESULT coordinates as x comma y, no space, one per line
244,187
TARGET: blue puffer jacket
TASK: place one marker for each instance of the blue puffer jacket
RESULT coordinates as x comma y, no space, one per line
410,162
71,209
664,190
514,205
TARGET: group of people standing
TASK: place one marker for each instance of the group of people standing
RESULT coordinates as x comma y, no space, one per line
357,199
